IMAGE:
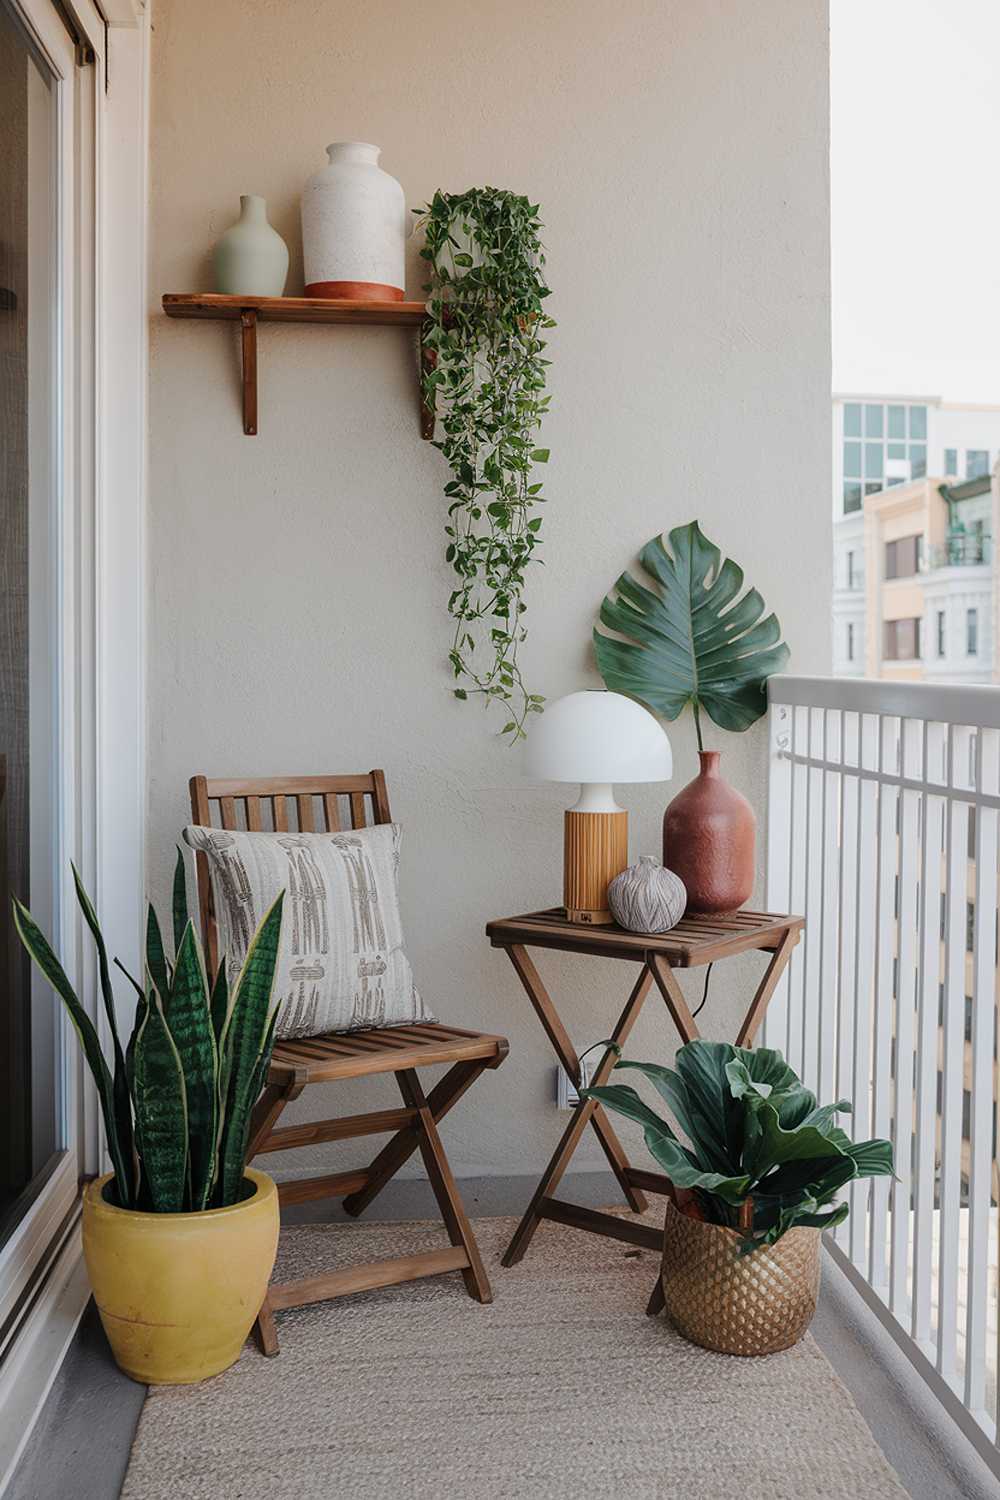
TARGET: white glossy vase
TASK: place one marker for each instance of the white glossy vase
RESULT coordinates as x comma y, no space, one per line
251,258
354,228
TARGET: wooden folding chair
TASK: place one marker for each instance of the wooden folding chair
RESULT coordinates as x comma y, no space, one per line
400,1050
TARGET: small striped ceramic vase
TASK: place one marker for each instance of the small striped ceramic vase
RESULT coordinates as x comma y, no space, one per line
646,897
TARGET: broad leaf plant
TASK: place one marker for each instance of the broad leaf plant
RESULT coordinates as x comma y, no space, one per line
692,635
761,1155
177,1100
483,375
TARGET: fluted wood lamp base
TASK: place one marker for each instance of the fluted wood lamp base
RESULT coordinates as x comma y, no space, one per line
595,851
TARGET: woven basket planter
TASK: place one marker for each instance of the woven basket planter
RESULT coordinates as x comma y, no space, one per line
751,1304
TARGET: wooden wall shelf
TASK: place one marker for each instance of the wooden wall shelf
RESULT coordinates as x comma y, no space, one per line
249,311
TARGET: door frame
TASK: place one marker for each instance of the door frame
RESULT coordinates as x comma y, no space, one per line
103,68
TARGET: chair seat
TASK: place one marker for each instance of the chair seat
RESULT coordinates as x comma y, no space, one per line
388,1049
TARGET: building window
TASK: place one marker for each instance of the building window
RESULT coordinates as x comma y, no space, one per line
902,557
951,463
883,445
850,570
977,463
902,640
972,632
940,633
850,640
874,460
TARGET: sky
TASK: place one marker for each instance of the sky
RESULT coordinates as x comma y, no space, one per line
915,182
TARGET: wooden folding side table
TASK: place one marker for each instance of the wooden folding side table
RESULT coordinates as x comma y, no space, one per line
696,940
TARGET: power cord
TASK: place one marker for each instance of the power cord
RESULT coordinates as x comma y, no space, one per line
696,1012
704,997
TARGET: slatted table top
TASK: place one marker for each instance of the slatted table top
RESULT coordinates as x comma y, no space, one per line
695,940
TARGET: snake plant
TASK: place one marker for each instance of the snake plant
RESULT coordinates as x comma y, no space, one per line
690,638
762,1155
178,1098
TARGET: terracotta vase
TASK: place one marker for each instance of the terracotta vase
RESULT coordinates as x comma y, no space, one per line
708,840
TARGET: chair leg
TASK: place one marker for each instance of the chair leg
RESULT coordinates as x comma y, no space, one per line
267,1111
267,1331
442,1097
445,1188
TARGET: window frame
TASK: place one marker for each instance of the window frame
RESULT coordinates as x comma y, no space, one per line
891,639
102,73
896,561
972,630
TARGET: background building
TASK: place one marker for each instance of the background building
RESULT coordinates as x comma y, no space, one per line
915,513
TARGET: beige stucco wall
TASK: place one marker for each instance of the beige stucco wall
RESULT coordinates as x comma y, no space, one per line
297,581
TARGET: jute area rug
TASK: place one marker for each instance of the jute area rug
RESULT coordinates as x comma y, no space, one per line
562,1387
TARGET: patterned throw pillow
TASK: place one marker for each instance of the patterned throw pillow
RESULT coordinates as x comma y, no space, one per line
341,965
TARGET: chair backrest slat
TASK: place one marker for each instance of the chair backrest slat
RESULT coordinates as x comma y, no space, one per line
225,793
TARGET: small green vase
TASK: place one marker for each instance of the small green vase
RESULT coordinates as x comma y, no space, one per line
251,258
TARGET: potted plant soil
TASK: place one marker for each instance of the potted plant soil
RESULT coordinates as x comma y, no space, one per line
754,1187
180,1237
688,634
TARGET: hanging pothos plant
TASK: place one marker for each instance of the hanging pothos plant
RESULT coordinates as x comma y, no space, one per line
483,375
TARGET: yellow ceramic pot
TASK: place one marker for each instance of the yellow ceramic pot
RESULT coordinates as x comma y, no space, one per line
178,1293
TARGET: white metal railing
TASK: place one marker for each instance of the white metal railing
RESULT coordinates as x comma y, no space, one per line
884,830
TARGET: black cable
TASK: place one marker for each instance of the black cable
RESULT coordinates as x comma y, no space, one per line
704,997
701,1007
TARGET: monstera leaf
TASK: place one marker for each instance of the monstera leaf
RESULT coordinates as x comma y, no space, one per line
692,638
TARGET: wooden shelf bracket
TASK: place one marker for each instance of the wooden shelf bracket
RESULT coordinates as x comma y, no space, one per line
248,340
249,311
428,361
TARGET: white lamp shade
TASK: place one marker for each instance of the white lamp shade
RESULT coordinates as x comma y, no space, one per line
597,737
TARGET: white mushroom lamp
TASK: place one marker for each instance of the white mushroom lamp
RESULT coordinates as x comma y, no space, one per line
596,738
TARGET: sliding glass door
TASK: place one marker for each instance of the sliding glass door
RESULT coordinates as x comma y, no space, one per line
72,376
30,411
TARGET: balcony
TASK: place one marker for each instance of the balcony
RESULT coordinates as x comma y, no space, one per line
228,553
962,550
883,828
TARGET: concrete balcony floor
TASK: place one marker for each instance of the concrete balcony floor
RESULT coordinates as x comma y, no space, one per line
90,1396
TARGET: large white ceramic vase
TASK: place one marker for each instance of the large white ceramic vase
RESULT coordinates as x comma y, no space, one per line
354,227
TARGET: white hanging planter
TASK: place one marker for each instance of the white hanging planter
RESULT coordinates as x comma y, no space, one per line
354,228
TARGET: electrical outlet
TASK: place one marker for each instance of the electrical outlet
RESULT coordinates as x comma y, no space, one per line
566,1094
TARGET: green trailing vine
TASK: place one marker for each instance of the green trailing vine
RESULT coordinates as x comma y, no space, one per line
483,375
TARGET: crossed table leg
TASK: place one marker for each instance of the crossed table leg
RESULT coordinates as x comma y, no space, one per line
543,1205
